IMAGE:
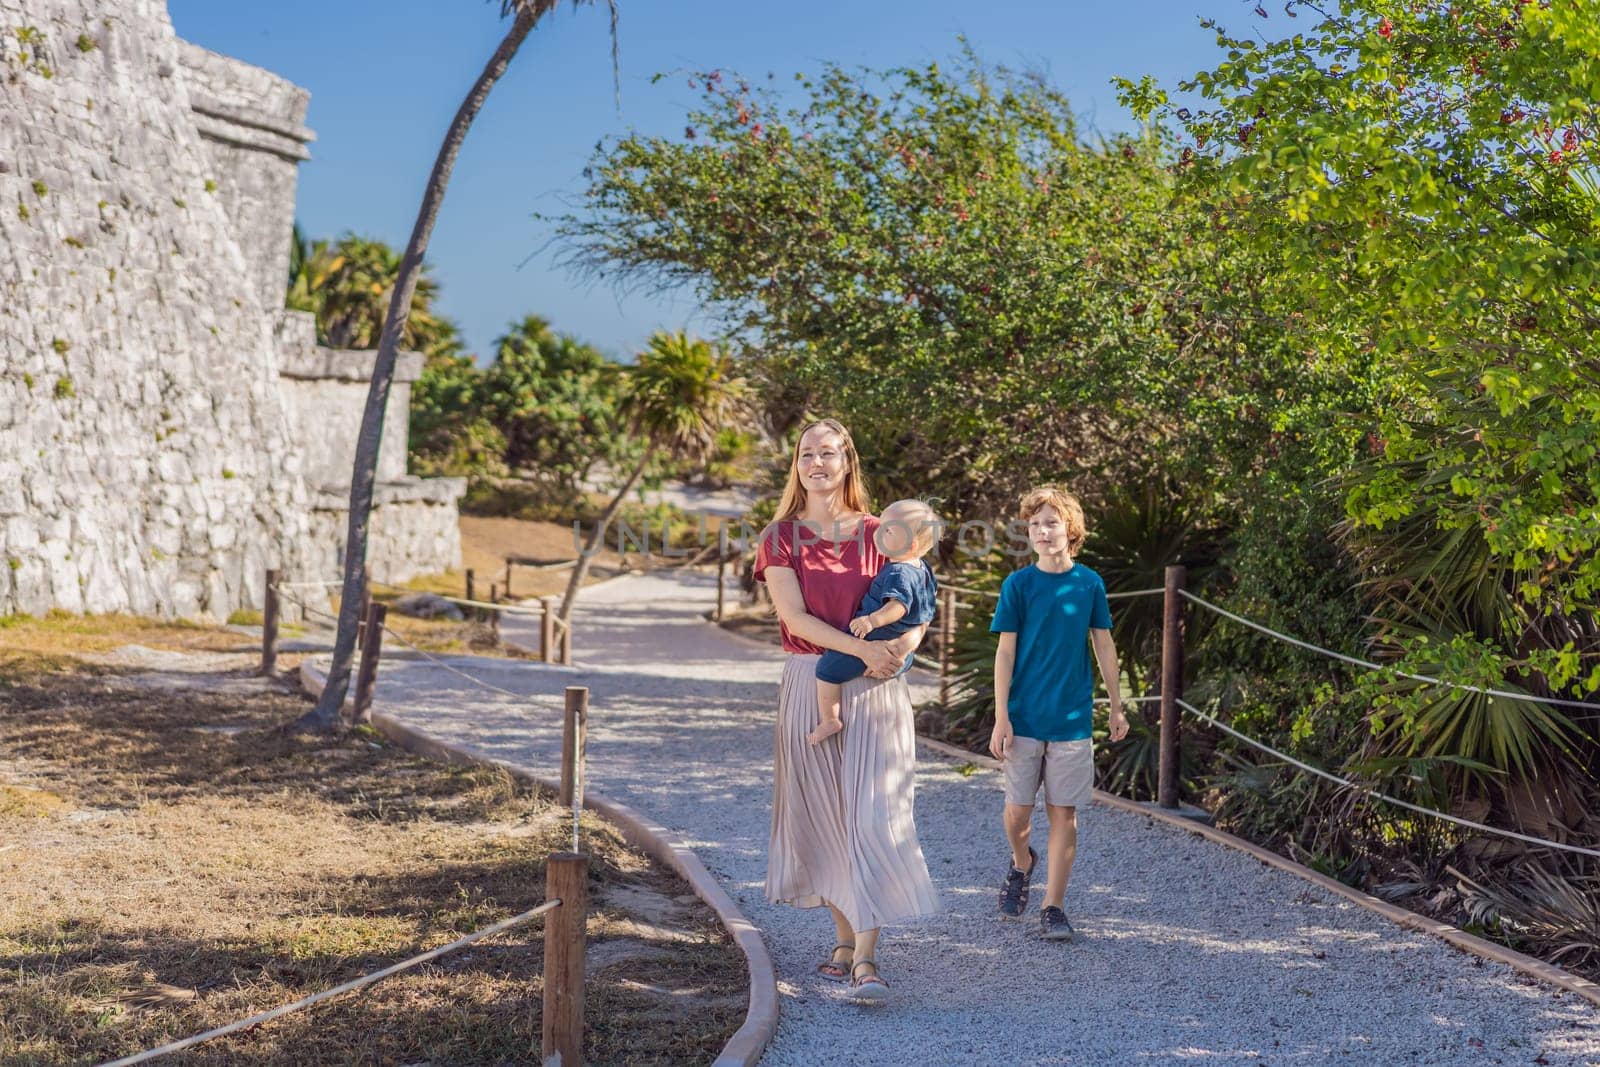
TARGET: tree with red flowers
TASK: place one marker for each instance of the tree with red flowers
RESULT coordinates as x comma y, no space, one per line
1432,172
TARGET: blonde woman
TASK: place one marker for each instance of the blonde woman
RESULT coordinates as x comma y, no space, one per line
842,831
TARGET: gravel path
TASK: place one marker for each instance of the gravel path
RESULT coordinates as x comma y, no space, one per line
1187,951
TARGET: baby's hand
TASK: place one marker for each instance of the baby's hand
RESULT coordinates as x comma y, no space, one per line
861,626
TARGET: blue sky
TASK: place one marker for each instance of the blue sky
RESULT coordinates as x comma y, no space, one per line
386,75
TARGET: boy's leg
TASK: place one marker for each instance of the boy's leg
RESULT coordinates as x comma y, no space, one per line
1022,769
1018,821
1063,850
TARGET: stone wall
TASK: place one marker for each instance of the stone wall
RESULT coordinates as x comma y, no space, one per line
325,390
145,454
413,529
157,404
252,124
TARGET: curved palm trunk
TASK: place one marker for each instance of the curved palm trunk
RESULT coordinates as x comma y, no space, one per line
325,716
597,538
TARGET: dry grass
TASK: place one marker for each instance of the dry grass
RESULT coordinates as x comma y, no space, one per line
173,860
60,632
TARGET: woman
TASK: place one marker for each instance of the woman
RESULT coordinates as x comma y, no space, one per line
842,831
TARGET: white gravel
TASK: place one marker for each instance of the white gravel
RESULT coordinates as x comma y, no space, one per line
1188,952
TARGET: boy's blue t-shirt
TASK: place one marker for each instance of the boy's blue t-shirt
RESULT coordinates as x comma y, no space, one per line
1052,689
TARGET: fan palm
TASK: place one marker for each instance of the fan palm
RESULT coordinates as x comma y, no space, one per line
676,398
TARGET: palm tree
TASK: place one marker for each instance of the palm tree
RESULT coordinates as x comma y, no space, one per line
325,716
348,286
676,398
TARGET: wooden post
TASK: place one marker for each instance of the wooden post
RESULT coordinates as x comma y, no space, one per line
366,607
572,742
368,673
470,584
547,629
947,640
722,568
565,943
566,643
269,627
508,579
1171,685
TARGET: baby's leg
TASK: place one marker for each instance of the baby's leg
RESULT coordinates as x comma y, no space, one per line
828,698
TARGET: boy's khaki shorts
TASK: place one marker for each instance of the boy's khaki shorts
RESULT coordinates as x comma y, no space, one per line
1066,769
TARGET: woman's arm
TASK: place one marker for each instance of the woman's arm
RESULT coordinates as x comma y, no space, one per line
791,605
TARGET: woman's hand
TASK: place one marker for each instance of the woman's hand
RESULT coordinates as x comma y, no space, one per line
881,658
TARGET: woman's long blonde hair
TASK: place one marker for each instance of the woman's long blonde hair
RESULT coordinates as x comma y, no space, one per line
793,501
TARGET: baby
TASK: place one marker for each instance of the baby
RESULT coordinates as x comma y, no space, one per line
902,596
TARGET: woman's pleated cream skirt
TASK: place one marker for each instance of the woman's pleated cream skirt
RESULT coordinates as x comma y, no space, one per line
842,829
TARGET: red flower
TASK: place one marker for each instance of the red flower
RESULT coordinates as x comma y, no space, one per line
1385,28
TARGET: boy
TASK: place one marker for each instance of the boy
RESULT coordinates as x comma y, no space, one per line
901,597
1049,613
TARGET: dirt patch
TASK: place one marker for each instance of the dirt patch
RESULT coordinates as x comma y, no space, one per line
173,860
486,541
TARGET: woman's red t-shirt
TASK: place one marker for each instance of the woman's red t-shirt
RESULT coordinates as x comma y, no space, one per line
833,576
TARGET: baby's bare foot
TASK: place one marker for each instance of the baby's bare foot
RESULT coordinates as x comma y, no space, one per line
828,728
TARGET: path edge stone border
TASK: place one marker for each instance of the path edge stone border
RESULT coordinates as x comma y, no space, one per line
1524,964
747,1044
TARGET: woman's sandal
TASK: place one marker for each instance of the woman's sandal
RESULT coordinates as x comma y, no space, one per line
867,988
832,969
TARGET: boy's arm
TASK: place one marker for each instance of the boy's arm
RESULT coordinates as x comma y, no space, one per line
1105,654
892,611
1005,658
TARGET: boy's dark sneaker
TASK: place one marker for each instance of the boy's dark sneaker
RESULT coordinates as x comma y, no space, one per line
1014,890
1054,925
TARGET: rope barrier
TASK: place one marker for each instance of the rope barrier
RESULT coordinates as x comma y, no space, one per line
353,984
992,595
1367,790
460,673
509,609
303,606
1369,665
421,652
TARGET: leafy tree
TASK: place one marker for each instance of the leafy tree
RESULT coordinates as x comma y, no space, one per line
1429,171
938,258
452,431
555,400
